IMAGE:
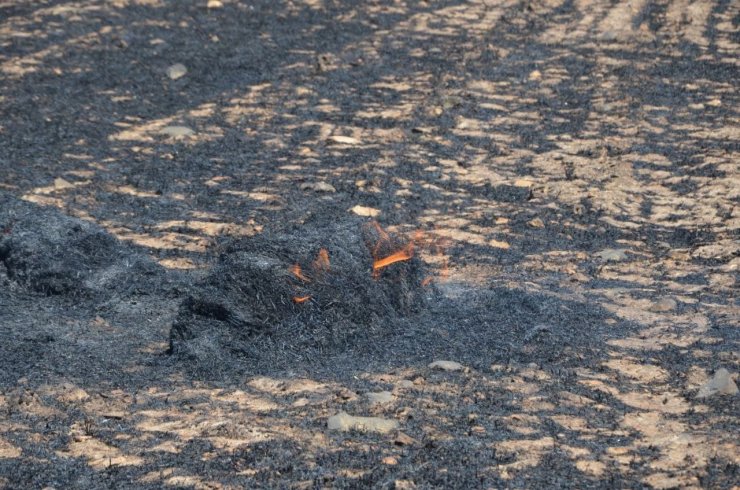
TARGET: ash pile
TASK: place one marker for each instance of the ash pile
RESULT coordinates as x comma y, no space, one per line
43,251
299,296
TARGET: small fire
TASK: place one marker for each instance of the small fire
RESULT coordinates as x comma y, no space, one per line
383,237
383,244
296,270
322,261
384,241
320,265
405,253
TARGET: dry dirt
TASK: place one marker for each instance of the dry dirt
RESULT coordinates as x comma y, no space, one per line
574,163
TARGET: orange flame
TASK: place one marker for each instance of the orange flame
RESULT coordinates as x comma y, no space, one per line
404,254
300,299
322,260
296,270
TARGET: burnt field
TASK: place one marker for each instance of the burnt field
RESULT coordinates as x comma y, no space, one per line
237,239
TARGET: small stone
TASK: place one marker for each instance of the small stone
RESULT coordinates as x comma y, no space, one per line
380,398
537,223
663,305
447,365
214,4
405,383
714,103
365,211
612,254
535,75
720,384
178,70
177,131
404,485
390,460
345,422
318,187
343,140
404,440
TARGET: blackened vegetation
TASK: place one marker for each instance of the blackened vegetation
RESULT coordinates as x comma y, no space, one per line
275,299
44,251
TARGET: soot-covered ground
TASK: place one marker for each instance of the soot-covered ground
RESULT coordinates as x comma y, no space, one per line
224,222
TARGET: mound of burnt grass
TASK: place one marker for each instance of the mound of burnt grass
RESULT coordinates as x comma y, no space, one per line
47,252
299,294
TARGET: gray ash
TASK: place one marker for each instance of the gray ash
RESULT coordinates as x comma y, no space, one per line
298,294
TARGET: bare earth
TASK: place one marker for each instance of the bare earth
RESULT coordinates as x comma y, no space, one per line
573,164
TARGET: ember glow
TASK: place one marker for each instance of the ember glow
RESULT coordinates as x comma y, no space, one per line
383,243
383,237
322,261
296,270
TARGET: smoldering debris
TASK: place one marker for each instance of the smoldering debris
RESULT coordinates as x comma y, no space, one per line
298,294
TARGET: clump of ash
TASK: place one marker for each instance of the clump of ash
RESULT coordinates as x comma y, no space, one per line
43,251
297,295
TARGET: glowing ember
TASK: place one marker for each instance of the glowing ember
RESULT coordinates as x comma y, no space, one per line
384,243
296,270
383,237
322,260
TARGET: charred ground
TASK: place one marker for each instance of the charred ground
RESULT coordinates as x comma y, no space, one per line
576,163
